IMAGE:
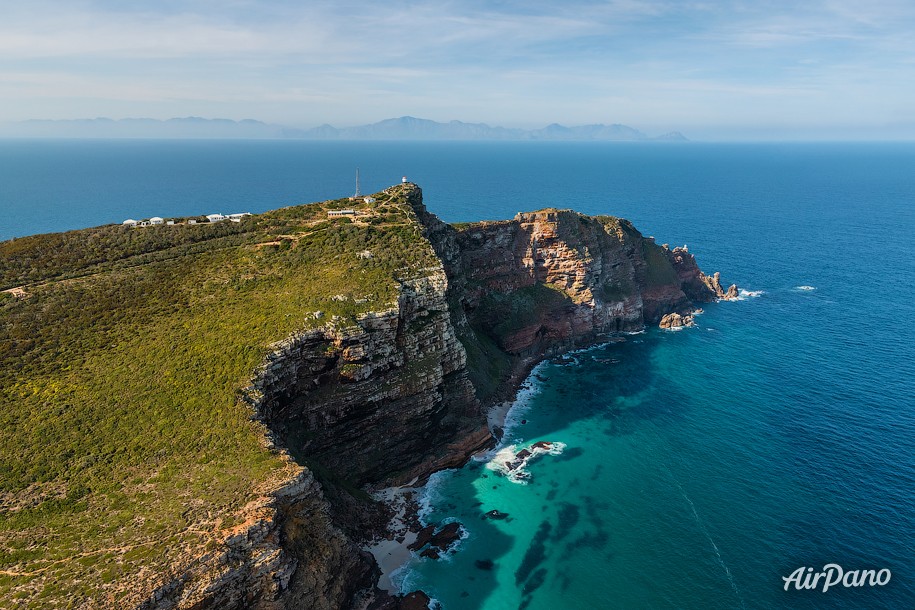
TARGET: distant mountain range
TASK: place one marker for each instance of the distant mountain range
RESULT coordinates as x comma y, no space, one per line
403,128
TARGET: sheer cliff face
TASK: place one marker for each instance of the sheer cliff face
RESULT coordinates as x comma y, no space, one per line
552,279
401,393
386,399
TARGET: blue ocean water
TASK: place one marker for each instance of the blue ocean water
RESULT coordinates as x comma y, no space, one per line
700,467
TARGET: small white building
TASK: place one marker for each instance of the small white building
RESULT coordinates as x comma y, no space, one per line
155,220
333,213
130,222
369,200
169,222
403,180
237,217
215,217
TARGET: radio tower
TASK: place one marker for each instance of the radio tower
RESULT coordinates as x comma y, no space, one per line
357,195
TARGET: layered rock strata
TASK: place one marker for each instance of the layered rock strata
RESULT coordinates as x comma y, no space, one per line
402,392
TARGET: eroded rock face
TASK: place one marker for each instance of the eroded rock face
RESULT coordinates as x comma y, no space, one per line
383,400
396,395
285,553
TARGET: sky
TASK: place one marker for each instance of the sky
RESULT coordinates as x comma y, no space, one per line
730,69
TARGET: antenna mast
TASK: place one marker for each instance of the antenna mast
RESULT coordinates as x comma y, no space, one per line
357,184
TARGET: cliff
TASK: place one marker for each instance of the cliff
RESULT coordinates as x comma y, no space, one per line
382,373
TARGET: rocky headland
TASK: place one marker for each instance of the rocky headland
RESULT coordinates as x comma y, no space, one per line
390,396
404,393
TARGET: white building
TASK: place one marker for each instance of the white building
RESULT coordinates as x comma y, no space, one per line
369,200
237,217
130,222
215,217
155,220
332,213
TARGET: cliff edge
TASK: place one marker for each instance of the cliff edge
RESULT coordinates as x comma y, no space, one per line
378,339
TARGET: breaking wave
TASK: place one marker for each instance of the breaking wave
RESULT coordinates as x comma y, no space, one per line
512,463
743,295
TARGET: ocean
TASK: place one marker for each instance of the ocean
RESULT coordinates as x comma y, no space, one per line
699,468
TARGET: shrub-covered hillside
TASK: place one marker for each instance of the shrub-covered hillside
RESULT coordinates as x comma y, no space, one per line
122,444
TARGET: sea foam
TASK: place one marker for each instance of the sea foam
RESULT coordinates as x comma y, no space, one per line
507,463
743,295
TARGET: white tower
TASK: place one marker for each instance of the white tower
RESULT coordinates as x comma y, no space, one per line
403,180
357,195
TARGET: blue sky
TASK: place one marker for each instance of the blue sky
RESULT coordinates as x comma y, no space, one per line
712,69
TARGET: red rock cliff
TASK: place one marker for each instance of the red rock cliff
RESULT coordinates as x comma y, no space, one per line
402,393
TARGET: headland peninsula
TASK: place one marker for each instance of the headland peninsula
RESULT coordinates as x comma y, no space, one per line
197,415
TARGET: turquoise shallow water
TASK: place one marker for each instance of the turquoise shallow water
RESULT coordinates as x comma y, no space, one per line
705,464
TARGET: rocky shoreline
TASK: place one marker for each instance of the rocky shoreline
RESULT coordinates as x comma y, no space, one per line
383,403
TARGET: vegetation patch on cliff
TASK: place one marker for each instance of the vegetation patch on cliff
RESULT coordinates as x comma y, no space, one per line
503,314
123,448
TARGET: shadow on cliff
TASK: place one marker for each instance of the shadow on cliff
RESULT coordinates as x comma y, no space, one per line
617,390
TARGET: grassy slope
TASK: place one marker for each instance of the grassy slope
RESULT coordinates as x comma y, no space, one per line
121,441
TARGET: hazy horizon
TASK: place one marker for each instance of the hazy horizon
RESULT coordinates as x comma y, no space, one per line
69,129
726,70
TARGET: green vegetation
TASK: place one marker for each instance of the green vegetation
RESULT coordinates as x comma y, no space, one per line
487,365
122,445
659,271
617,291
506,313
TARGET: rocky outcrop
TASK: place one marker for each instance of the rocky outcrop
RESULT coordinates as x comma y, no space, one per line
676,320
696,285
284,553
385,399
398,394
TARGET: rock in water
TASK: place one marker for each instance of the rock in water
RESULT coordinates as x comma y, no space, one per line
446,536
422,538
675,320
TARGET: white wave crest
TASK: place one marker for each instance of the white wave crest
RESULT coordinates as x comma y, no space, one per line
507,462
743,295
430,493
805,287
523,399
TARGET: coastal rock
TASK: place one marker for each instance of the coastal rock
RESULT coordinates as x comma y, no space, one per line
676,320
445,537
417,600
422,538
398,394
285,548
